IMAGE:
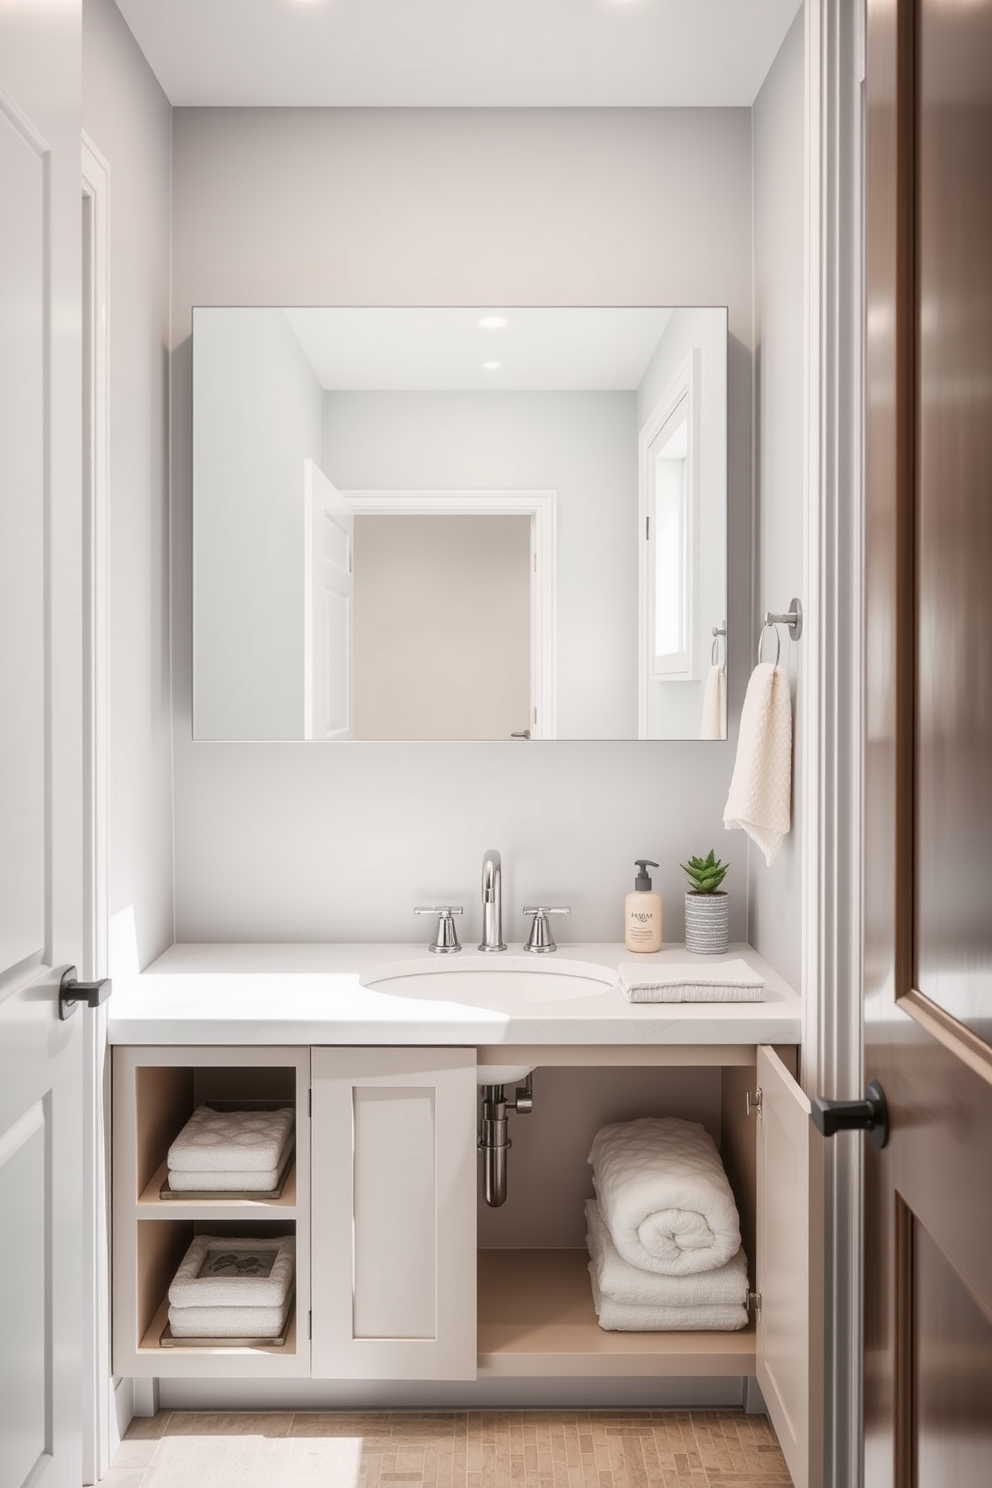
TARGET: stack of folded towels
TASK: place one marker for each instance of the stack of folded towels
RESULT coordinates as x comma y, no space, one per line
235,1151
227,1288
663,1231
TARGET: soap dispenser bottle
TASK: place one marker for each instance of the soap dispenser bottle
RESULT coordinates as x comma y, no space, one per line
642,912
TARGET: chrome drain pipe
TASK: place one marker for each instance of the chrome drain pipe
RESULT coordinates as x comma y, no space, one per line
494,1139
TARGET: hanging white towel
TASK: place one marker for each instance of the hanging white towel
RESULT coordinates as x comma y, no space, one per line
713,722
760,797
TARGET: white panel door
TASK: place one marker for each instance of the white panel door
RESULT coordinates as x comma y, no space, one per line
789,1269
393,1185
328,608
41,770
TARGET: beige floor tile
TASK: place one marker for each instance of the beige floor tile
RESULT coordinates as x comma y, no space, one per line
229,1423
123,1477
144,1428
136,1451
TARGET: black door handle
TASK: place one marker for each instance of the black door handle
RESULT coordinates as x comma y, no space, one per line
72,992
870,1115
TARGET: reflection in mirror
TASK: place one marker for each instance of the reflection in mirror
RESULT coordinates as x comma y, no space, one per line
458,523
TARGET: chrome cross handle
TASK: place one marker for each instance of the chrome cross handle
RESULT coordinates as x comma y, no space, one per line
445,940
541,938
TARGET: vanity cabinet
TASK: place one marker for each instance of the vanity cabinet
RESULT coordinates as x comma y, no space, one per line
384,1187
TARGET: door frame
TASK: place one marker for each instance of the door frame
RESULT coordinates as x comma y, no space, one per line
101,1432
542,508
831,715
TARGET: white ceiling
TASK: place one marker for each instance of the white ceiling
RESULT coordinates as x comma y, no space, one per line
445,349
460,53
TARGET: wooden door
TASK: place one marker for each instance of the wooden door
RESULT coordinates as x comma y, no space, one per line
928,747
328,609
41,771
393,1199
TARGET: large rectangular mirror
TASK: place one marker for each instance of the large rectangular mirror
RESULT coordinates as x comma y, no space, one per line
484,523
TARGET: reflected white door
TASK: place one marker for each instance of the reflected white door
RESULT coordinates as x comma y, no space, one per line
41,767
328,608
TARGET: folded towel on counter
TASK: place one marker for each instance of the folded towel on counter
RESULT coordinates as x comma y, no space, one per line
228,1322
664,1195
760,796
713,719
617,1317
617,1279
231,1141
218,1271
726,981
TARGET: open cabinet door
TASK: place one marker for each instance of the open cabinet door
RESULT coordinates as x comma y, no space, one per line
789,1269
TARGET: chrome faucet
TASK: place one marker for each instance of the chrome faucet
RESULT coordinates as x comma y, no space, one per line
492,902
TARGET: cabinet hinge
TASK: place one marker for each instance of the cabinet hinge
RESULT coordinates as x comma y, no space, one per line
309,1102
753,1101
647,529
309,1324
754,1303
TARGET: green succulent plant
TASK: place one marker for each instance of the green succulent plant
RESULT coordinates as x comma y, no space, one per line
705,875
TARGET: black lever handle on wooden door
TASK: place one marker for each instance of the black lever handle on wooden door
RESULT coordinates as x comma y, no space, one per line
870,1115
72,992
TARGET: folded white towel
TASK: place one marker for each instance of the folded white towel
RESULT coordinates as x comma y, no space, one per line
231,1141
218,1271
617,1279
713,719
664,1195
261,1182
227,1322
616,1317
760,796
671,981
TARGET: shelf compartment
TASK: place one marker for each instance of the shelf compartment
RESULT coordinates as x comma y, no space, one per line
536,1317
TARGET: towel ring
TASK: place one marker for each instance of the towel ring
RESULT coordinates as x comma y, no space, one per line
718,631
770,625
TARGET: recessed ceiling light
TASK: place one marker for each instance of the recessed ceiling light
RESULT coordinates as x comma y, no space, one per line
492,322
490,366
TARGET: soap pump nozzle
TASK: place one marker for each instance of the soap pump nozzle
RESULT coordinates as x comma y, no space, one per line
643,880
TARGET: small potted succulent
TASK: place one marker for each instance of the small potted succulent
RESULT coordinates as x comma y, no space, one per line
707,906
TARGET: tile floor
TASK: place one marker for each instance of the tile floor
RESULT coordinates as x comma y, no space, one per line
460,1449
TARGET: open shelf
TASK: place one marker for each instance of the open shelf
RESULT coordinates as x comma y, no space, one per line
536,1317
190,1204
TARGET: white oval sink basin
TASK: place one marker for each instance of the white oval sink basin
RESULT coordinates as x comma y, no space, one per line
496,982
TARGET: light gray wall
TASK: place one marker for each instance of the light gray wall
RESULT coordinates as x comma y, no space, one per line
582,445
599,206
128,119
261,415
776,892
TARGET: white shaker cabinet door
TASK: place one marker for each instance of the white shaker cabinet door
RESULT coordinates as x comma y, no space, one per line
789,1269
393,1176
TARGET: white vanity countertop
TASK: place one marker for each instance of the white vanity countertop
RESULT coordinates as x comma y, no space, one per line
313,994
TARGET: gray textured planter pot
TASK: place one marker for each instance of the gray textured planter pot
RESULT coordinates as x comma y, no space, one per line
707,922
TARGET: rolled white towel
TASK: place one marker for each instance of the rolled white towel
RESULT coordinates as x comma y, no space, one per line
618,1280
617,1317
670,981
664,1195
228,1322
218,1271
231,1141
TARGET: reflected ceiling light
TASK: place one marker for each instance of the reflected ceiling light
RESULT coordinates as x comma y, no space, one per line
492,322
490,366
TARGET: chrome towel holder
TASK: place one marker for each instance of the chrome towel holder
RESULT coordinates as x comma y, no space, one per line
793,618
